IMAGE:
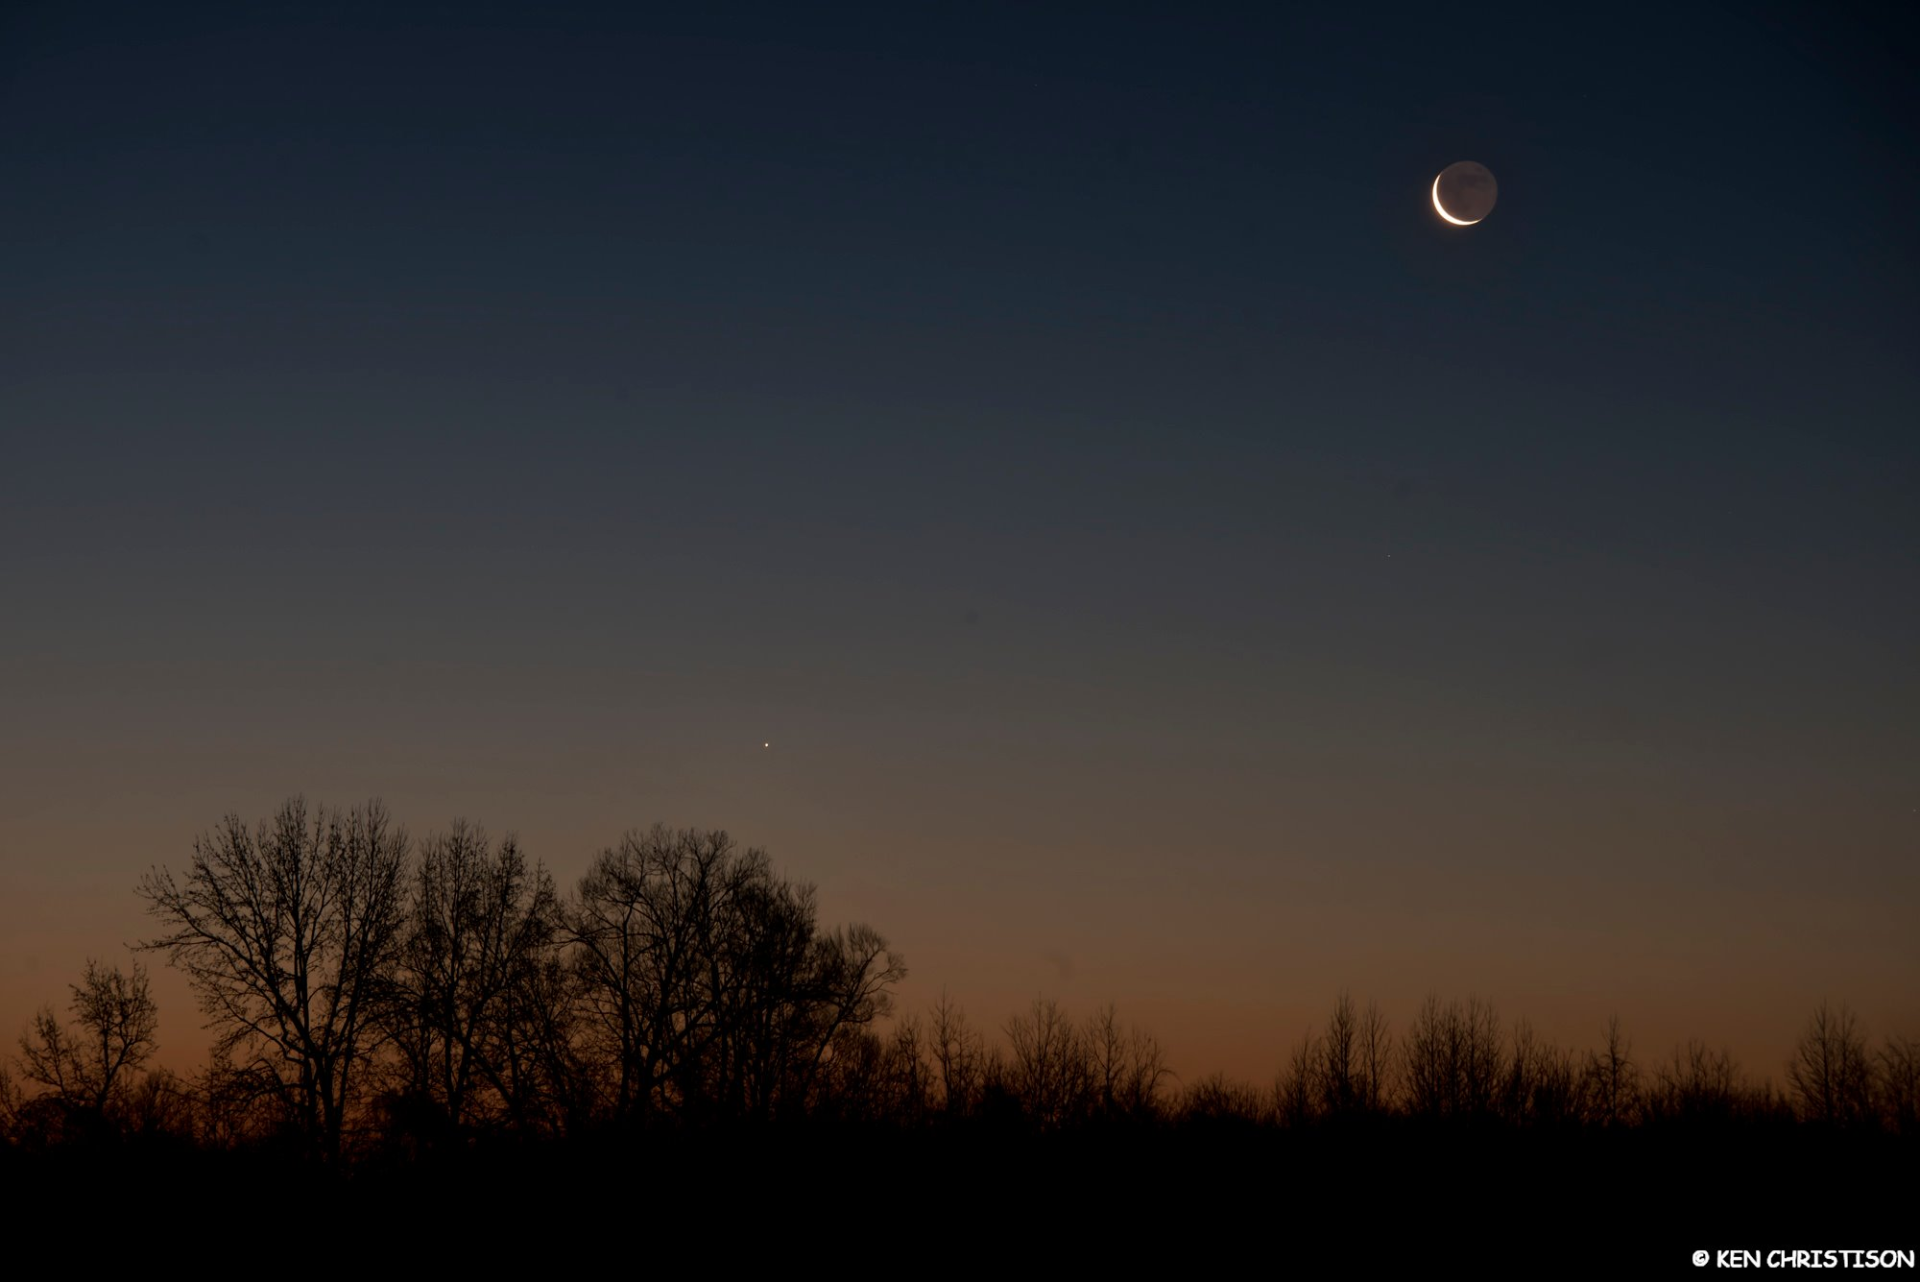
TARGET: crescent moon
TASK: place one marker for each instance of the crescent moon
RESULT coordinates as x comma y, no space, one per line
1441,209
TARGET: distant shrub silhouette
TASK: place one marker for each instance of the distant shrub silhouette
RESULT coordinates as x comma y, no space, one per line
1704,1088
1217,1104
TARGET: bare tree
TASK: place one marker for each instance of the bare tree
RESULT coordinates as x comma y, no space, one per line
790,997
551,1081
238,1105
757,961
1697,1085
1831,1076
1543,1082
480,924
1339,1067
1898,1077
1299,1086
1126,1065
12,1104
1354,1060
1431,1057
641,924
1482,1060
1049,1068
852,971
959,1058
1454,1059
904,1072
48,1054
1375,1061
1611,1092
159,1103
289,933
707,981
91,1061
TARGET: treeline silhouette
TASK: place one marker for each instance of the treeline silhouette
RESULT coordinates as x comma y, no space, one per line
377,999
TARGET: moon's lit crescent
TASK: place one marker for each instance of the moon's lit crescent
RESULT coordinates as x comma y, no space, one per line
1441,209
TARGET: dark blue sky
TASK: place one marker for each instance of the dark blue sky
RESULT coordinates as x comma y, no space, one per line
1066,433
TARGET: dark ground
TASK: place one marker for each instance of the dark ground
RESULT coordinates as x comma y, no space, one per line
1497,1204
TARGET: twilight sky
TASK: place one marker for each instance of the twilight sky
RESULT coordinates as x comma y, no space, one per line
1170,565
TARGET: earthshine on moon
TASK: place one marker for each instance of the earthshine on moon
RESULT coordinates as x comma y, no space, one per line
1464,193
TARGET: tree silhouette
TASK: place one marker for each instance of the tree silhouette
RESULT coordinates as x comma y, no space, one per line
1611,1087
481,925
1543,1083
89,1063
12,1105
1341,1078
1125,1065
707,982
289,933
1898,1079
1297,1088
683,984
1375,1061
849,984
900,1076
1696,1086
1830,1074
959,1058
1355,1057
1048,1069
1453,1059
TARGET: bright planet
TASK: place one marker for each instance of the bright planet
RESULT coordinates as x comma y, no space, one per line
1464,193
